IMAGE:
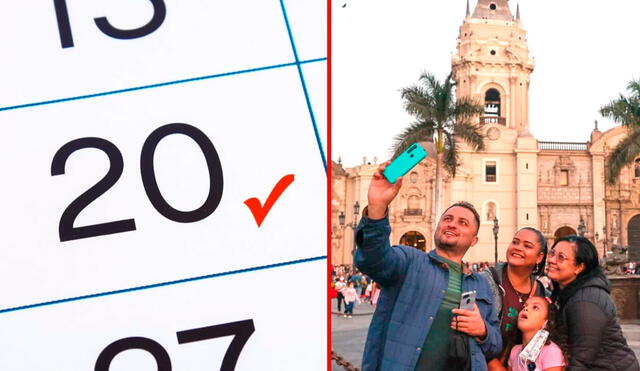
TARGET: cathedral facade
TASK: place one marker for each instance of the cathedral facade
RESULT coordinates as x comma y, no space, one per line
516,181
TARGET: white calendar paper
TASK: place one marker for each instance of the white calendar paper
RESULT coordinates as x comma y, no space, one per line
164,185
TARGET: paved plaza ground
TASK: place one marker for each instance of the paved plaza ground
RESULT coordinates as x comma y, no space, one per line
348,334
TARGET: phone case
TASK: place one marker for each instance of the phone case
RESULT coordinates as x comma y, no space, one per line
467,300
405,162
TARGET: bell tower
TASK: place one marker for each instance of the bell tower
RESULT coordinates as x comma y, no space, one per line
492,64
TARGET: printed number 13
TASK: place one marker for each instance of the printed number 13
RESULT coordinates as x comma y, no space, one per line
64,26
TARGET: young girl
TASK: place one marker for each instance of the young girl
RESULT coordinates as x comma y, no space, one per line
350,297
538,314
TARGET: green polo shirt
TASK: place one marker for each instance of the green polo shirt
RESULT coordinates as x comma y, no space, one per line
436,346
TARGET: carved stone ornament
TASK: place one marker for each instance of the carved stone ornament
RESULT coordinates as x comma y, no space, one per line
493,133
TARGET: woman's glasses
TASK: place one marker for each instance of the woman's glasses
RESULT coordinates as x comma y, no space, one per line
560,256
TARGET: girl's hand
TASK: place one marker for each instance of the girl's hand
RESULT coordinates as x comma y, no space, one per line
469,322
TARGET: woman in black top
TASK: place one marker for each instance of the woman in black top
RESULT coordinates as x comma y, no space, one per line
586,309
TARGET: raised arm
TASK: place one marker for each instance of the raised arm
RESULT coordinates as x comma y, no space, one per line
374,255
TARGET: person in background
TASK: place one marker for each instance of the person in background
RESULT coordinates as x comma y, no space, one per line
340,285
350,298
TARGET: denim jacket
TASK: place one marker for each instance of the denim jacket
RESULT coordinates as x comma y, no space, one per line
413,287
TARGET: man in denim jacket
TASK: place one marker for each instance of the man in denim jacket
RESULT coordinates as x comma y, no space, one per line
417,313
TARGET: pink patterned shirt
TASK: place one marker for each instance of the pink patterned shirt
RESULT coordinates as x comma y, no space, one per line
550,356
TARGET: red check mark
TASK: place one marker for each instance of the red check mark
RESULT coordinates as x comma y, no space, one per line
260,212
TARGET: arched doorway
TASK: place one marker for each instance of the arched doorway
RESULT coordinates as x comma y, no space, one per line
415,239
633,238
564,231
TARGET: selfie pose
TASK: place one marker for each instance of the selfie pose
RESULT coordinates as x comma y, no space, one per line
418,324
514,282
586,308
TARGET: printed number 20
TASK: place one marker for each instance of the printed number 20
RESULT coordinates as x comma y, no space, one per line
64,26
69,232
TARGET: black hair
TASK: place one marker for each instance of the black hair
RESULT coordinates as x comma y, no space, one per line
585,253
557,330
469,206
538,270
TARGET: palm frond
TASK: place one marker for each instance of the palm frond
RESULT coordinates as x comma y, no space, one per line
416,132
433,103
625,153
417,101
450,158
625,110
467,107
471,134
634,88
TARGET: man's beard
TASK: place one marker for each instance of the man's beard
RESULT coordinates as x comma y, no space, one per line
443,245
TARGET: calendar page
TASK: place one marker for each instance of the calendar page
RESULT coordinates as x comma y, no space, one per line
163,185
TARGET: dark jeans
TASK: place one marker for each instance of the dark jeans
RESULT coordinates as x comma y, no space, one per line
348,308
340,299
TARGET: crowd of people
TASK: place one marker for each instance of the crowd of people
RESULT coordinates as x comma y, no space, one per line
351,286
541,309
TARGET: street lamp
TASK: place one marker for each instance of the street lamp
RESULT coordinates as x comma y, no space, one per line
581,227
352,225
496,227
604,241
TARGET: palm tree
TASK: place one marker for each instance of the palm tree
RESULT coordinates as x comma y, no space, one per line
440,119
626,111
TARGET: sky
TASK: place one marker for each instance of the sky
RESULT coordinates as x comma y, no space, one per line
585,53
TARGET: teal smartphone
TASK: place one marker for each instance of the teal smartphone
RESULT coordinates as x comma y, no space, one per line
405,162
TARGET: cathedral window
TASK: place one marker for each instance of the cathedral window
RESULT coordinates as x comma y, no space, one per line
491,172
413,206
564,177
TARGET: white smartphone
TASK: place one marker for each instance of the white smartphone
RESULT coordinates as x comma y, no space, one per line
467,300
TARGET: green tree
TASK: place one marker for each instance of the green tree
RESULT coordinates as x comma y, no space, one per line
625,111
440,119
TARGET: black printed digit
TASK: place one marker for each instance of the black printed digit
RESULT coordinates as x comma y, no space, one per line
159,14
66,229
241,329
151,184
64,27
156,350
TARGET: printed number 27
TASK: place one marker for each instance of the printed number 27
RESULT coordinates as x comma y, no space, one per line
64,25
241,329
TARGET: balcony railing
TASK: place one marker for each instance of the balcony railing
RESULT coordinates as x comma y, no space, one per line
493,120
490,178
564,146
413,212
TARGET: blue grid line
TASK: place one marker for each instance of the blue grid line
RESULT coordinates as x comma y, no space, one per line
304,86
156,285
61,100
